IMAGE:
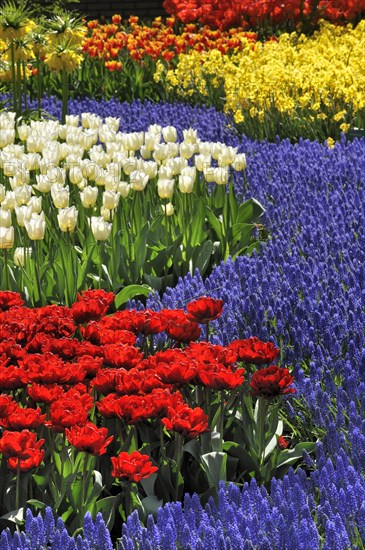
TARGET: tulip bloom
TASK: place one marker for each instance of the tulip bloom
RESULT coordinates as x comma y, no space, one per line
271,382
204,310
89,438
132,467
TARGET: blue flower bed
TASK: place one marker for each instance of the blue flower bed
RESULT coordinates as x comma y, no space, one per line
304,290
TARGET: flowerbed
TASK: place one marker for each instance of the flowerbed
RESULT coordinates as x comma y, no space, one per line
293,86
311,308
121,412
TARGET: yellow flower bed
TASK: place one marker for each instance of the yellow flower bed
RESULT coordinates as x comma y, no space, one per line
318,80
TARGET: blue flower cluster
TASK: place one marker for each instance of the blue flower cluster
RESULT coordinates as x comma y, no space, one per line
305,291
41,533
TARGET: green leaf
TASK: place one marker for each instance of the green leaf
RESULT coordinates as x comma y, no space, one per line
37,504
247,460
214,465
15,516
290,456
131,291
202,257
215,223
151,504
107,507
96,489
249,211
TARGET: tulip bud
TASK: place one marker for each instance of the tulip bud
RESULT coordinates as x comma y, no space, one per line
168,209
20,254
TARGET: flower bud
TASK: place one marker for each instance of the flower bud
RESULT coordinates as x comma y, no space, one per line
20,254
168,209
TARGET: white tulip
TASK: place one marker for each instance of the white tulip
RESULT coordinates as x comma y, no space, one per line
113,123
172,150
129,165
133,141
151,140
23,213
6,237
89,196
2,192
138,180
186,184
176,164
146,154
8,203
36,227
165,188
169,133
168,209
165,172
190,136
161,152
60,195
202,161
187,150
239,163
72,120
75,174
36,204
111,200
43,184
227,156
67,219
221,175
23,194
105,214
20,254
23,132
5,218
100,229
154,129
124,189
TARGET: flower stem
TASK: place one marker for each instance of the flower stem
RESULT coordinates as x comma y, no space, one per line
262,408
178,460
64,95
